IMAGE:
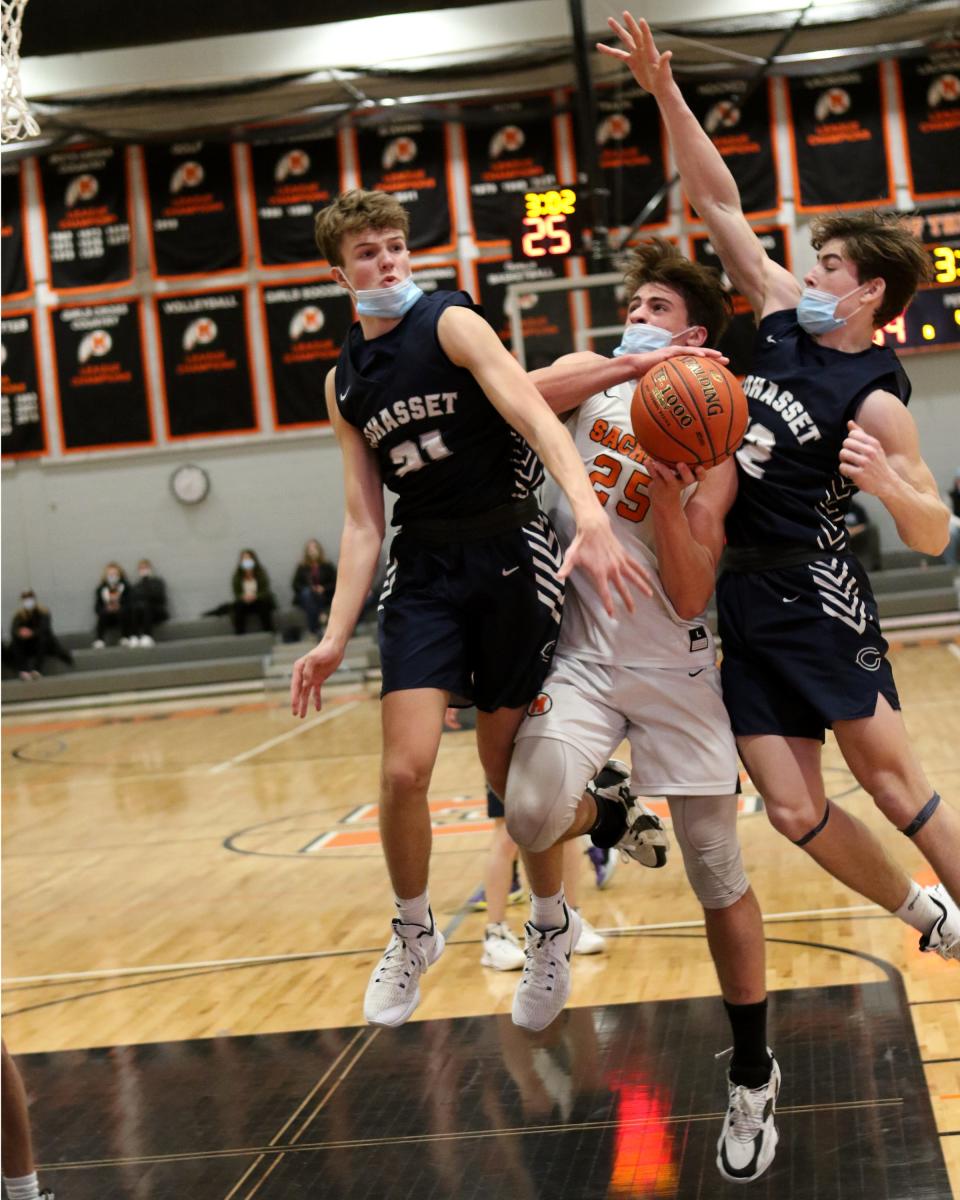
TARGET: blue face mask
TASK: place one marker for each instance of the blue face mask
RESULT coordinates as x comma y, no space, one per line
642,338
389,303
816,312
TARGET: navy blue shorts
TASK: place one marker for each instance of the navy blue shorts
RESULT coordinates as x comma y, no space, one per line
802,648
494,804
478,619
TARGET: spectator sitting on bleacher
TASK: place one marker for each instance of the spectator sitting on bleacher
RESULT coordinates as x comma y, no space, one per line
251,593
313,585
112,605
864,538
148,603
32,638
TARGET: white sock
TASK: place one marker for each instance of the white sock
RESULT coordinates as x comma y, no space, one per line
24,1187
918,909
547,911
415,911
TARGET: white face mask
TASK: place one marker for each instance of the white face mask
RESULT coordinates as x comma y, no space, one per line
247,563
113,578
29,603
641,338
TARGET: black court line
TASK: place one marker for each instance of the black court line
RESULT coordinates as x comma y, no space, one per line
611,1102
930,1061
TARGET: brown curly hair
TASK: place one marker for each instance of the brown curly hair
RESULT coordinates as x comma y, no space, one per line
659,261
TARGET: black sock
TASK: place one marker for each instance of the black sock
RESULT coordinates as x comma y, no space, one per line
610,825
750,1065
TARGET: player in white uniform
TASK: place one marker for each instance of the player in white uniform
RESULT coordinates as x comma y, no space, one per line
649,676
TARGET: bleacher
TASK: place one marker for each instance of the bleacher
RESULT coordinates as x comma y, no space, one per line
913,594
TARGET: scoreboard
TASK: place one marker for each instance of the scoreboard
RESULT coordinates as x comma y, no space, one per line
931,321
548,224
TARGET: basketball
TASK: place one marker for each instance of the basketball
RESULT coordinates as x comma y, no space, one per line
691,410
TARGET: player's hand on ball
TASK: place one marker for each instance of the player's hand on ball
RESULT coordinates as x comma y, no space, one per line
642,363
648,66
864,461
667,482
309,675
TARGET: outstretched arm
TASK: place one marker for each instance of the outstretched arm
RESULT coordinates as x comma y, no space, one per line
574,378
881,455
470,342
706,179
363,529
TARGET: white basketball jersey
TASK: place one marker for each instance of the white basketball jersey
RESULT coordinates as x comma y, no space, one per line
652,635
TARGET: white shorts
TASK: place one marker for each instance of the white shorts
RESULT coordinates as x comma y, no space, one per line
679,733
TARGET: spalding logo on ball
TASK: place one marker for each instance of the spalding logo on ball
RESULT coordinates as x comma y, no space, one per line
690,410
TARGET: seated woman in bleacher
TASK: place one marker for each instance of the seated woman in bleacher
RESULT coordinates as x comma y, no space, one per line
314,582
32,638
251,593
111,603
148,603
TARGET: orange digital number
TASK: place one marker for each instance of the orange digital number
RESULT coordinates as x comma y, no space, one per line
548,230
563,240
529,242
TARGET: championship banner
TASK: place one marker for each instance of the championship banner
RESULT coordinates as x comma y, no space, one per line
86,204
839,139
737,342
547,319
306,326
101,379
439,276
411,161
16,269
513,152
742,129
292,181
208,381
930,105
631,156
192,202
21,411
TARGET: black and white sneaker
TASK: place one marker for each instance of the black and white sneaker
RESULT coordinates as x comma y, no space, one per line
645,840
943,937
749,1137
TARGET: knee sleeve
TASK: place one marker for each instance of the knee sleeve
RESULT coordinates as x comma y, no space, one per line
706,831
546,780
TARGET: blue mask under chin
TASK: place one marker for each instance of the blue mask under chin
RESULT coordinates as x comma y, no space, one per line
641,339
816,310
389,302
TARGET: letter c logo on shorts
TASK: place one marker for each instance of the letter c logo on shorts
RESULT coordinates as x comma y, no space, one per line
869,658
540,704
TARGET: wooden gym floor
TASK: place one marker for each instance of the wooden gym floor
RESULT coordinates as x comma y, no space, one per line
183,881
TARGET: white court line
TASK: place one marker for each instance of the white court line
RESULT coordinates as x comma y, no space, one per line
285,737
954,649
158,968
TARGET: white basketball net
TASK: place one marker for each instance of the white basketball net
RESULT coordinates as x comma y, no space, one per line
17,122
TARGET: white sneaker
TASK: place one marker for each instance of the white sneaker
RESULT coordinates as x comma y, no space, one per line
645,840
545,984
99,644
944,936
128,641
147,640
394,988
501,949
749,1137
589,941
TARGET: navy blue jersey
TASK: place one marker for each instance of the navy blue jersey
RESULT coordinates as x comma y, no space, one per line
442,446
801,396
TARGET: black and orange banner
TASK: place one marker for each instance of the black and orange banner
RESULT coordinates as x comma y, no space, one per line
292,181
511,152
629,140
16,269
101,379
411,161
840,155
546,317
192,198
86,203
741,126
208,381
930,102
306,326
737,342
21,408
